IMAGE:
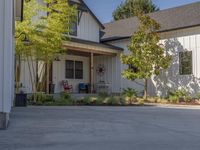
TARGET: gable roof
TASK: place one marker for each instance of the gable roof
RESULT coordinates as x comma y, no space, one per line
93,15
170,19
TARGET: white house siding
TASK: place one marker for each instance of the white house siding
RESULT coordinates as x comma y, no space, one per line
175,42
88,28
112,73
137,84
59,72
25,77
6,57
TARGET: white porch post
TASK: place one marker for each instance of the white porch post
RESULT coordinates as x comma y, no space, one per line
92,72
6,61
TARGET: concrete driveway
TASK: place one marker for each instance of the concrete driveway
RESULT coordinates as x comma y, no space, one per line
102,128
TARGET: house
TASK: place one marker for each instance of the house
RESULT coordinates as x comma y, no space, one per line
93,53
7,56
180,35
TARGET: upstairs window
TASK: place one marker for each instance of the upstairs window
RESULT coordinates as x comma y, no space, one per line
185,63
74,26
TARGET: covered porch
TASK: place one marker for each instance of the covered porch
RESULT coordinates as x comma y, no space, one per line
93,64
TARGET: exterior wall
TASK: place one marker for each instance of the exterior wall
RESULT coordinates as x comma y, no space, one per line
59,72
175,42
6,56
88,29
124,83
112,73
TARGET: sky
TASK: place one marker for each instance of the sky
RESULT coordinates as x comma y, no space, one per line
103,8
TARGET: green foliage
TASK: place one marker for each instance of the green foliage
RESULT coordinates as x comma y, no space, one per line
129,92
129,8
45,33
198,95
176,95
113,101
146,57
41,99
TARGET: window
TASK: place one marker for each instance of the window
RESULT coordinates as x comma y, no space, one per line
78,70
73,29
74,26
74,69
185,60
69,74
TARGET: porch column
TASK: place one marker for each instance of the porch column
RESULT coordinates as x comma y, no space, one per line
6,61
92,72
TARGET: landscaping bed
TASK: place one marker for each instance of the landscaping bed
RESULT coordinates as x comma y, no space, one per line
127,98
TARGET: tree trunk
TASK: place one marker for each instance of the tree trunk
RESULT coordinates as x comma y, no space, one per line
145,89
47,78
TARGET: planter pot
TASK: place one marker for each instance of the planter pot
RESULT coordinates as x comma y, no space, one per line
51,88
21,100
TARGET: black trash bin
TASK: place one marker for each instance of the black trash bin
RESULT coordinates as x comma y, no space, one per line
21,100
51,88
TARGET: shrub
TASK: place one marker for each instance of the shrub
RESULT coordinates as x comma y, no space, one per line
103,94
113,101
130,95
65,95
40,98
198,95
176,95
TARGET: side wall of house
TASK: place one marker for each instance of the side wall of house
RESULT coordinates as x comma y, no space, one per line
175,42
6,61
124,83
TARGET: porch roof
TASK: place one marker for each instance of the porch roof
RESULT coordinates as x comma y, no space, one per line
91,47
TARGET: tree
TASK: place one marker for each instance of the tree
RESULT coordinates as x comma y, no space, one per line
46,27
147,57
129,8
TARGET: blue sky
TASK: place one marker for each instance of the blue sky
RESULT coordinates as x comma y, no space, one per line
103,8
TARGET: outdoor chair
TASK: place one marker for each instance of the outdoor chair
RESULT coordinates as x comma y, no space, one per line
83,88
67,88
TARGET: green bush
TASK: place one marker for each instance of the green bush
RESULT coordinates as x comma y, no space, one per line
198,95
40,99
113,100
103,94
176,95
65,95
130,95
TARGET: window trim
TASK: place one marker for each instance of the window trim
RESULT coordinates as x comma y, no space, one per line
180,63
74,69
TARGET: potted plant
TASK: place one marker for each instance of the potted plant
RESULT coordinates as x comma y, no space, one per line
21,97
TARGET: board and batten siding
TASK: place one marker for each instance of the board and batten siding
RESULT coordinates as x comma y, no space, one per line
124,83
88,28
175,42
58,72
6,56
112,73
170,79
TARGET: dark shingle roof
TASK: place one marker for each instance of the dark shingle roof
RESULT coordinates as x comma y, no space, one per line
169,19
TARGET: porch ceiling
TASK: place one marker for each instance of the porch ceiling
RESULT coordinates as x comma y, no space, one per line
91,47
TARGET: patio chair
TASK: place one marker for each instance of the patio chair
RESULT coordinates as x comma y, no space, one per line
67,88
83,87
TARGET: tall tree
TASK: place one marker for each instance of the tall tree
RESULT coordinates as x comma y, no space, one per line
44,24
147,57
129,8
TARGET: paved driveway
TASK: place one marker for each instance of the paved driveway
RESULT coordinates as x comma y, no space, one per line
102,128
